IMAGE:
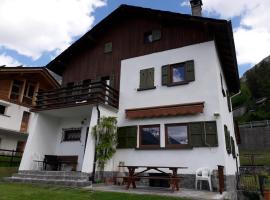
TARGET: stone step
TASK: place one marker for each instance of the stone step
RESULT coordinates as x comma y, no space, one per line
51,177
71,183
53,173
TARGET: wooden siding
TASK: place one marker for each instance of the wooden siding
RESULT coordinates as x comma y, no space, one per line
5,86
36,79
127,36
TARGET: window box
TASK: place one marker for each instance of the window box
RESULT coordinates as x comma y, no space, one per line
150,136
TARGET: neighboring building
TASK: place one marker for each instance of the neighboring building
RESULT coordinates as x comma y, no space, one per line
18,86
173,107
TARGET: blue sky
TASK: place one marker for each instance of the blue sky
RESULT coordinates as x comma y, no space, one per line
36,38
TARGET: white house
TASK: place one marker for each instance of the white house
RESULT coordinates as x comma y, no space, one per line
167,77
17,88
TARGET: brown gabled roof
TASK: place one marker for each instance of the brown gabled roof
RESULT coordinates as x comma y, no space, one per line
221,29
26,70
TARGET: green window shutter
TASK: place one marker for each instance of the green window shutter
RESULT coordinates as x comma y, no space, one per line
189,67
211,134
233,147
196,134
156,35
227,139
229,101
127,137
143,75
147,78
165,75
150,77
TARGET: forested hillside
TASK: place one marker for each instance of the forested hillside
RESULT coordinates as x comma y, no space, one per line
255,93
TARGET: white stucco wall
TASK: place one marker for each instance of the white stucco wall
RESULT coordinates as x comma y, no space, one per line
227,119
8,143
71,148
13,116
205,88
41,139
90,147
11,120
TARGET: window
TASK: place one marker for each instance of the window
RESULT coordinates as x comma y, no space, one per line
29,90
177,74
72,134
223,91
227,139
16,90
108,47
2,109
229,101
152,36
150,136
176,135
147,79
126,137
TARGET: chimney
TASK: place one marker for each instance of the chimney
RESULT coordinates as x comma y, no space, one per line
196,7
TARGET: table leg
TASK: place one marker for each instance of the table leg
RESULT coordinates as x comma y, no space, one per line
175,182
131,179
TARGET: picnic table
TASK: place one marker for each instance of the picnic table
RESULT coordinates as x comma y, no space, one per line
133,176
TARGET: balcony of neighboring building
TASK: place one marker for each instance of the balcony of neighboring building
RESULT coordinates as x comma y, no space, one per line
98,92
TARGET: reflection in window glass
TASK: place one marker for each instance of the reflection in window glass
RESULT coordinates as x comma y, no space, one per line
177,134
178,73
150,135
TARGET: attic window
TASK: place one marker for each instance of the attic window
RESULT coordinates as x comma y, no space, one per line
108,47
152,36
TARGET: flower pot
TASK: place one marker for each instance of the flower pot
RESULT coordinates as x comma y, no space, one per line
266,194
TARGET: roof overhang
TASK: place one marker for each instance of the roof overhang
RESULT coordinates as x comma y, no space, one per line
165,111
31,70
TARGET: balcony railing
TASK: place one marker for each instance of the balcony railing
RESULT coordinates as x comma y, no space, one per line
92,93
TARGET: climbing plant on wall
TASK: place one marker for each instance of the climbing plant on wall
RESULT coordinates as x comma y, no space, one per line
105,135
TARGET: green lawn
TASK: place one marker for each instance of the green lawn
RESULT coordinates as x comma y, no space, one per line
14,191
7,171
264,160
4,161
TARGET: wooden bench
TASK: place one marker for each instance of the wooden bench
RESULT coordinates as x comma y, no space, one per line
56,162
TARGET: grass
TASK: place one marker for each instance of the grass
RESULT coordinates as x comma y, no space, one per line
7,171
5,161
264,160
12,191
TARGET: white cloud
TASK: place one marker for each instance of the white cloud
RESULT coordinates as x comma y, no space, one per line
32,27
8,61
252,37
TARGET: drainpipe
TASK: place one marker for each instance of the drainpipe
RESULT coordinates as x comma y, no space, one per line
95,156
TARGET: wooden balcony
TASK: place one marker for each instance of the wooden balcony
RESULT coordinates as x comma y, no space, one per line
92,93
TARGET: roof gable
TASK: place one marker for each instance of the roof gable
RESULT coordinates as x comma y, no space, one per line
220,29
